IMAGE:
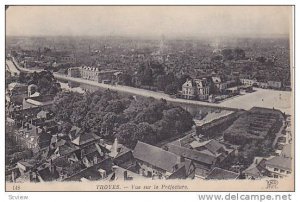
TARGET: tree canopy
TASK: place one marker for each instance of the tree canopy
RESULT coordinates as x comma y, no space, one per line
109,115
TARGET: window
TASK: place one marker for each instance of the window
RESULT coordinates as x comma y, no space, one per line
288,172
275,176
275,169
282,171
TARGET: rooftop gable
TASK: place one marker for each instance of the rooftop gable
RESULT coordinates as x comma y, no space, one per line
155,156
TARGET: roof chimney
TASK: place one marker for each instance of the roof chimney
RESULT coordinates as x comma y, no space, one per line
125,175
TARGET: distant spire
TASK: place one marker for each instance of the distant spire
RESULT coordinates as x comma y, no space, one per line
114,149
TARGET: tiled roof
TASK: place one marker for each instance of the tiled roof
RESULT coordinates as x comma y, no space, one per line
155,156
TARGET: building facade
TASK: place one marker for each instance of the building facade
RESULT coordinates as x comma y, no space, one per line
248,82
274,84
94,74
195,89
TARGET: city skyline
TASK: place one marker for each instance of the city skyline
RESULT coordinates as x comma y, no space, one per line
153,21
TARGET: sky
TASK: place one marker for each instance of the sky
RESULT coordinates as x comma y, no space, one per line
170,21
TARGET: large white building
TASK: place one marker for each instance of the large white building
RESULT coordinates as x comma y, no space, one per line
195,89
94,74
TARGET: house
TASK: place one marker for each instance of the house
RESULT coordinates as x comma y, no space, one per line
203,162
195,89
279,166
93,154
33,135
25,165
217,82
65,168
44,140
214,148
98,171
46,172
50,126
233,90
188,90
39,101
221,174
119,173
43,114
248,82
202,89
262,84
155,162
275,84
205,155
28,134
26,170
84,139
16,92
67,151
74,72
257,170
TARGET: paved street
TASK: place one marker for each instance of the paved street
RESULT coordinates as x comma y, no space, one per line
266,98
11,67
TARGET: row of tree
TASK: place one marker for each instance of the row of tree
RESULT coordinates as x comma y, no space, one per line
153,75
45,81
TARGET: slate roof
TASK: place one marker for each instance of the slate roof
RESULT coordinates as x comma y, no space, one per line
85,138
65,149
257,170
280,162
221,174
74,132
46,174
155,156
213,146
287,151
191,154
61,162
44,140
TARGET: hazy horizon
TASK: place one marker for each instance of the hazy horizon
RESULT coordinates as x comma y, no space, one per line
149,21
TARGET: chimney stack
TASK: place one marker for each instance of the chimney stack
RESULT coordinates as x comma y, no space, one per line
125,175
